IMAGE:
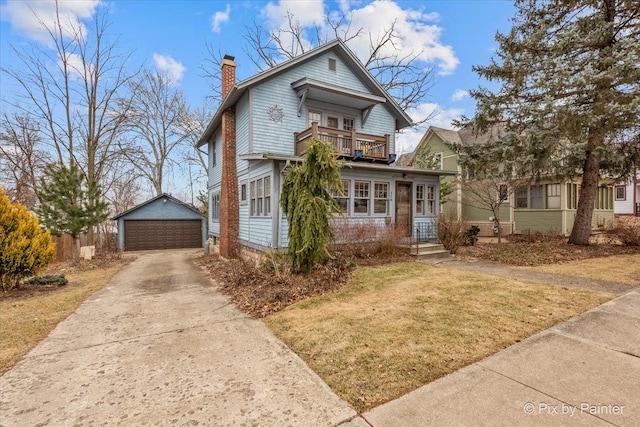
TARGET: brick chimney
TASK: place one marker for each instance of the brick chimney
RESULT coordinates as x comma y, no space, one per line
229,206
228,74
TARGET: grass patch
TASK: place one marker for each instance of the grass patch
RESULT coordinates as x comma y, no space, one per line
29,314
619,268
394,328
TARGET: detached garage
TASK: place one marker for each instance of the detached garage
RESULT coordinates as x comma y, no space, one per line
163,222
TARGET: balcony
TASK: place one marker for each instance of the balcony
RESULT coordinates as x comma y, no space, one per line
350,144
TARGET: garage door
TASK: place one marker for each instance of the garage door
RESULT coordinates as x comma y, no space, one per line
141,235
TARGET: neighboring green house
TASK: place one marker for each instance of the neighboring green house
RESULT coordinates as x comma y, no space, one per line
548,204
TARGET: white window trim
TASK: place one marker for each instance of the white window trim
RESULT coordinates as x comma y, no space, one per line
253,183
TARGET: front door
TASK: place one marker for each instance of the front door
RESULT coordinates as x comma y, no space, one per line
403,208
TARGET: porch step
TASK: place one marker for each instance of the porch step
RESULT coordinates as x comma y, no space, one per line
427,251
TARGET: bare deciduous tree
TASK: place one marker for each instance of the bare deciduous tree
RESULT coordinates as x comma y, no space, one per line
490,194
70,85
402,73
156,117
21,157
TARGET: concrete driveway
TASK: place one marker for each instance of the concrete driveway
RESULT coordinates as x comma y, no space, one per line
159,345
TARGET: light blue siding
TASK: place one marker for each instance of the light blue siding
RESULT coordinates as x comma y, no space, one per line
242,131
277,137
214,225
215,154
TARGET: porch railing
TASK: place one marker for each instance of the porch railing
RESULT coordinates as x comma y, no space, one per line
349,143
424,232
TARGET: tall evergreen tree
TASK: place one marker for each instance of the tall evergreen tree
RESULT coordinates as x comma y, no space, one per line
570,88
68,204
308,204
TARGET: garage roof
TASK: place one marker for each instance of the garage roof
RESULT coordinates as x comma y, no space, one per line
165,195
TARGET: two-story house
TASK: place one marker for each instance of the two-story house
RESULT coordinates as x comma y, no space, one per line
263,124
546,204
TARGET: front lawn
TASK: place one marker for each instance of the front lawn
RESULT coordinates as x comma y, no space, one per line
393,328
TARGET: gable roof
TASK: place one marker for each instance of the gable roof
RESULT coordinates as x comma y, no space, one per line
464,136
165,195
403,120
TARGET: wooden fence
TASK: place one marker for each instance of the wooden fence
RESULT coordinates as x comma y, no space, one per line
64,247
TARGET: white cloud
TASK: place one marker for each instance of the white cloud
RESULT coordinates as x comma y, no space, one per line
417,31
31,18
305,12
459,95
170,66
407,141
220,18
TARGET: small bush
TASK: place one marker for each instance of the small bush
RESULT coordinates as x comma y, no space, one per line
24,246
627,230
365,239
48,280
470,236
451,231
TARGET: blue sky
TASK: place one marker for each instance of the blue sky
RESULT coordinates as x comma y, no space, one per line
172,36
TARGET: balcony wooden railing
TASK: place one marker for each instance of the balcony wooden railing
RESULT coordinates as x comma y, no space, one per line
348,143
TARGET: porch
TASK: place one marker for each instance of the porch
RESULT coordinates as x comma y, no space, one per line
349,143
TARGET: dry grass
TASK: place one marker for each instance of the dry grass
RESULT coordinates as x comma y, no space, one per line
394,328
28,316
619,268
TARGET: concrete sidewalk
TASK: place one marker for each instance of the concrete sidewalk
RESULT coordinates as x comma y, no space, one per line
583,372
160,346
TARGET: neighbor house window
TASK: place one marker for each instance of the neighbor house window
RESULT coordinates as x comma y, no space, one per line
267,195
553,196
621,193
215,206
604,198
361,197
572,195
521,198
537,201
332,64
380,198
343,199
437,160
431,199
420,199
503,192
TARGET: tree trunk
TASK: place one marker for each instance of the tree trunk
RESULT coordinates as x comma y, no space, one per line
582,225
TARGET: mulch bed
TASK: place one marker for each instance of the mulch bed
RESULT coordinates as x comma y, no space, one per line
538,253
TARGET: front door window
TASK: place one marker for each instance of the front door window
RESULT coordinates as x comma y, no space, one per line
403,208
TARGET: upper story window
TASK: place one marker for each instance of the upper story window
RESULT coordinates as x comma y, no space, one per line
437,160
315,116
332,64
348,123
